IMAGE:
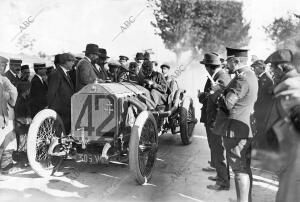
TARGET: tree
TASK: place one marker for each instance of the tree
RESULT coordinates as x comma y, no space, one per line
284,31
200,25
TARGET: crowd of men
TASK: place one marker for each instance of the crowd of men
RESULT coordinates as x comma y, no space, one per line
246,107
239,110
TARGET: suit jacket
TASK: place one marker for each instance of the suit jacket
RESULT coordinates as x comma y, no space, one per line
60,91
37,95
245,88
8,96
223,79
13,79
157,78
86,73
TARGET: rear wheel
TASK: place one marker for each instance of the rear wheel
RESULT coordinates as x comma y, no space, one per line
143,147
45,126
187,121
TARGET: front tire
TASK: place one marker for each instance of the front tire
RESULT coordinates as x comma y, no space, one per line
45,125
187,121
143,147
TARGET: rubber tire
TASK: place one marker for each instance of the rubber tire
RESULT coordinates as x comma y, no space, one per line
136,133
32,136
186,129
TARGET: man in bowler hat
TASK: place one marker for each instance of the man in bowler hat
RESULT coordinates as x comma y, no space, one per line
61,89
86,71
221,79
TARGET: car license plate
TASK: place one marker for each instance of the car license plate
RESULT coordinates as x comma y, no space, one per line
90,158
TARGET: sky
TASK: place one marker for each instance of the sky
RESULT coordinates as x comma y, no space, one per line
68,25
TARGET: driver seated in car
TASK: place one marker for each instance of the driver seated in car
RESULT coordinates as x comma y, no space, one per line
154,82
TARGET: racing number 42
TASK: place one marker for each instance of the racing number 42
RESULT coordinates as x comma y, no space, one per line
88,106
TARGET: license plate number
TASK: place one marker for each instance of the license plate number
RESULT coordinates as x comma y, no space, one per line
90,158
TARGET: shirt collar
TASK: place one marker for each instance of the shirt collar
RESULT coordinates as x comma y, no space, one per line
15,75
214,74
40,78
64,69
261,74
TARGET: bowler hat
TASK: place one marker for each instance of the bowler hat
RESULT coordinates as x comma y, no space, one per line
23,67
234,52
139,56
280,56
15,61
103,53
3,60
211,59
91,49
39,66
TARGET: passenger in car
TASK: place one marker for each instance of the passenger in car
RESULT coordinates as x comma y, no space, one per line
154,82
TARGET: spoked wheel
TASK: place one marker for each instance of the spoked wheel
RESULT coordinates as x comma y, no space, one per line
143,147
45,126
187,121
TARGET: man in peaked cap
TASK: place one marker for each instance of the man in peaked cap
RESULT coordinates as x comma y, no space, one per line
86,71
237,104
8,97
208,98
14,72
39,89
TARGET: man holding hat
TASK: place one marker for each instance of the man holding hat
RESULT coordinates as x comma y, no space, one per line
13,74
39,89
237,102
213,89
86,72
61,89
8,97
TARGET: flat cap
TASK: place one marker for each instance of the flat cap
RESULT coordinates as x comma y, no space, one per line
3,60
39,65
66,57
234,52
280,56
23,67
15,61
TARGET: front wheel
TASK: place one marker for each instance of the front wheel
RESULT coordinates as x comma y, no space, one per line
187,121
45,126
143,147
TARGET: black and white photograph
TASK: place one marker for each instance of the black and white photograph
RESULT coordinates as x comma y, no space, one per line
150,101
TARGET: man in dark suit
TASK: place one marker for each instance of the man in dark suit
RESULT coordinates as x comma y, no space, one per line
264,96
61,89
102,72
238,104
221,79
14,72
38,90
86,72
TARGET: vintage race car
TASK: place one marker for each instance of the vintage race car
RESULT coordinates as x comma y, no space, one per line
110,122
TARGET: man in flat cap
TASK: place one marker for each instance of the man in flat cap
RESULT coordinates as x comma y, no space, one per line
86,72
8,97
154,82
61,89
172,84
38,90
14,72
237,103
278,147
209,99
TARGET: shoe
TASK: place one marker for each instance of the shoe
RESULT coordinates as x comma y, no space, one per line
209,169
217,187
10,169
213,178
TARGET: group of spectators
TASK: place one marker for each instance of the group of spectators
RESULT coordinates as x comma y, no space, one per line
52,87
252,112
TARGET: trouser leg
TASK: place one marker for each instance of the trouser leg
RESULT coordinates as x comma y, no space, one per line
209,141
